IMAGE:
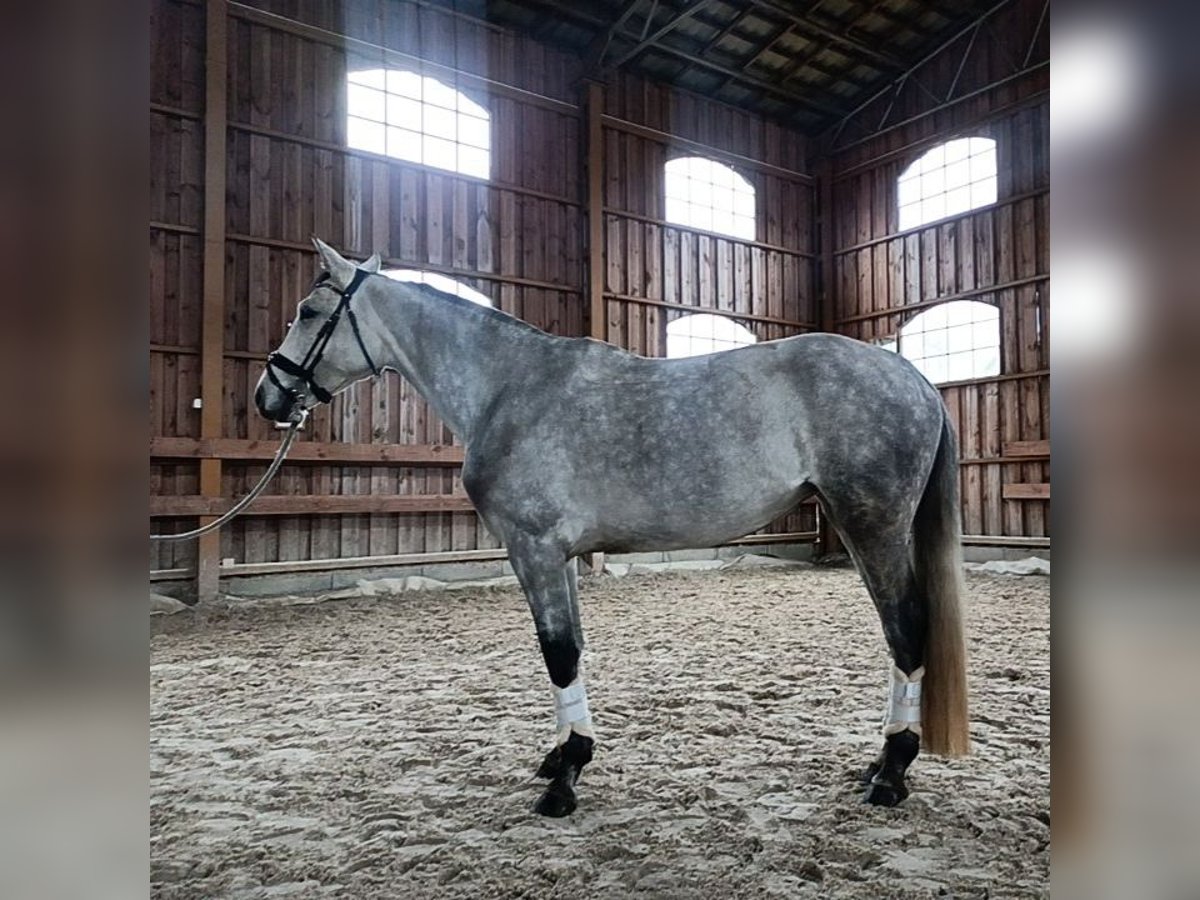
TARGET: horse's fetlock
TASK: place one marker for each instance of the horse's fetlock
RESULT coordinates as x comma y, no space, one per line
577,750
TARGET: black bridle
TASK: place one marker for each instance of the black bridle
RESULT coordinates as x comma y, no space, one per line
305,369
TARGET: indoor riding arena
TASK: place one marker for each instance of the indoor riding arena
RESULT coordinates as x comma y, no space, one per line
769,473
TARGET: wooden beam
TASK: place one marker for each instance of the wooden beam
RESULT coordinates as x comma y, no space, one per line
727,313
717,235
365,562
964,129
1025,492
726,156
830,541
938,301
660,32
308,452
595,210
212,358
320,505
1000,460
1027,448
948,220
866,52
399,58
1004,540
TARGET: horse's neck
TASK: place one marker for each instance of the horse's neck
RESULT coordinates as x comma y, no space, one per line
458,358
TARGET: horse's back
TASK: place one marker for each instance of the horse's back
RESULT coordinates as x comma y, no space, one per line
686,451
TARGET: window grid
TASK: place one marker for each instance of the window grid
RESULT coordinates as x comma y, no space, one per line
419,119
954,341
441,282
703,193
697,335
951,178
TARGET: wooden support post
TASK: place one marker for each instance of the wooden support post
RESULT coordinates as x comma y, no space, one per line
828,542
595,210
594,165
212,362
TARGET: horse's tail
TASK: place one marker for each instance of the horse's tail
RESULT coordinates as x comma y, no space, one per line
937,546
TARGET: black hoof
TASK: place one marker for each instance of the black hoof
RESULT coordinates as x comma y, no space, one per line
880,793
558,801
551,766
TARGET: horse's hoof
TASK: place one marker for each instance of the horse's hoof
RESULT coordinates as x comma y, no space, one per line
882,794
551,766
558,801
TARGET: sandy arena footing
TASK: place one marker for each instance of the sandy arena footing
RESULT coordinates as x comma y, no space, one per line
385,747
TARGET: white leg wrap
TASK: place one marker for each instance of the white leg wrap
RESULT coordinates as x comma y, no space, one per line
571,709
904,703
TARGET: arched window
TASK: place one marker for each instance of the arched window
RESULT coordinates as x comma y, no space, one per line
949,179
702,333
441,282
954,341
417,118
703,193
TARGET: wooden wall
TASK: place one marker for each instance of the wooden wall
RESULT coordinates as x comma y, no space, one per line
376,473
999,254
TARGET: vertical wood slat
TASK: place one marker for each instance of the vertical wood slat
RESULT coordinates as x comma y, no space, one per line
829,540
595,211
213,329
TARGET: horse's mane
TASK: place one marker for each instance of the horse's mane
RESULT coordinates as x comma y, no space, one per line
471,307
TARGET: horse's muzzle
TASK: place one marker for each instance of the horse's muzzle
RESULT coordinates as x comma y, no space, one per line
274,404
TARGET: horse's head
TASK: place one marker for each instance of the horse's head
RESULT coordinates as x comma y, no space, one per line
326,348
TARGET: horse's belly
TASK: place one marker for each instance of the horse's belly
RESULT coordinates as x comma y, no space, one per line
674,523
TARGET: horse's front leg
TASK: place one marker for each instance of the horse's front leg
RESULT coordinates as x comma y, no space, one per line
549,584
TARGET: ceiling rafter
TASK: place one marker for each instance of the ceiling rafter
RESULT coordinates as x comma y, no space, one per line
726,30
791,67
820,107
761,51
659,33
594,55
828,58
911,75
828,29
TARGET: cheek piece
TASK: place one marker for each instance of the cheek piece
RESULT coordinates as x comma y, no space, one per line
304,369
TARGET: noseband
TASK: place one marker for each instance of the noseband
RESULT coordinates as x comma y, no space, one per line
305,369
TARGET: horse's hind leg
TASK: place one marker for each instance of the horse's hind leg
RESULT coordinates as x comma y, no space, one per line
884,562
549,586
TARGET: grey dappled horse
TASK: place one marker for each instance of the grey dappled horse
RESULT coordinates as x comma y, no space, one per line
574,446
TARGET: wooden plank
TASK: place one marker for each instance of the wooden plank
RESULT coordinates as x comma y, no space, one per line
400,59
977,212
1027,448
594,161
291,505
362,562
742,270
682,143
829,306
946,298
1026,492
616,212
995,540
212,360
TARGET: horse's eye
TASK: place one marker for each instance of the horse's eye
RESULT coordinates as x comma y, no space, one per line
306,313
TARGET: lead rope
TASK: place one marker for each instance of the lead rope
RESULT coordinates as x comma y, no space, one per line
284,446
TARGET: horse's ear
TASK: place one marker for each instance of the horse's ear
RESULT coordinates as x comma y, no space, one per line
372,265
340,269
